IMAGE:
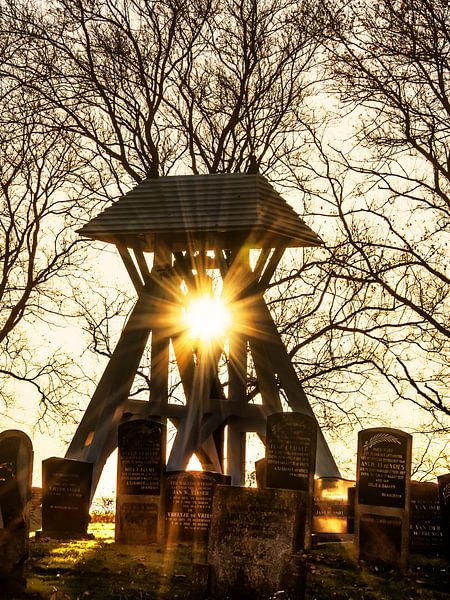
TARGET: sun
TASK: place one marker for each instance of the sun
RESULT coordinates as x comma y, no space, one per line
207,318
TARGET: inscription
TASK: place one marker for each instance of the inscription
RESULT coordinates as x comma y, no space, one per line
65,484
66,494
290,451
189,498
140,457
425,527
382,470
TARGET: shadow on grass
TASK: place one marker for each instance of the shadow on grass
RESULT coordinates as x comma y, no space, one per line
99,569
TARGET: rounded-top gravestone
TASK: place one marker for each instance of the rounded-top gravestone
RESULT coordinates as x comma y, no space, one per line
16,467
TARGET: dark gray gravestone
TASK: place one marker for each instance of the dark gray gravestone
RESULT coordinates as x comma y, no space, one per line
444,501
140,477
383,496
291,442
425,533
254,534
189,497
333,509
260,472
16,466
351,516
66,489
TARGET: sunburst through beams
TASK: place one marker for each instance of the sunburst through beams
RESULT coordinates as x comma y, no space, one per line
207,318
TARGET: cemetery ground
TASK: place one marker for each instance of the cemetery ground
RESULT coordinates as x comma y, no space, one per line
99,569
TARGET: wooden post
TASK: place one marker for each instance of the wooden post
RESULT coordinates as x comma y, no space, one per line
159,365
237,377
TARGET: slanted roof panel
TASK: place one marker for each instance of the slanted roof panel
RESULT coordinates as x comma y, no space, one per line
198,207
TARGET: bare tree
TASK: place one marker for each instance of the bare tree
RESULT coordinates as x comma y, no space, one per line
37,250
148,87
104,69
239,97
373,305
203,87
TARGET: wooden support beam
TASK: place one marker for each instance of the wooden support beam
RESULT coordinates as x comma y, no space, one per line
183,268
222,409
271,267
185,361
160,343
237,368
96,435
261,263
237,374
130,267
297,399
143,266
265,376
186,441
208,456
221,261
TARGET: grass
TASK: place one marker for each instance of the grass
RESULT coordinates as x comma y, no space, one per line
98,569
334,573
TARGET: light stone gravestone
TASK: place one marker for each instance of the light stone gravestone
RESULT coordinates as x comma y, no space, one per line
383,496
16,466
254,542
291,441
426,534
140,482
189,498
66,489
36,509
333,508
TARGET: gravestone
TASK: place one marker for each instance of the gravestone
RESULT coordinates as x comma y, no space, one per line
16,466
425,534
351,517
140,485
333,508
66,490
444,501
189,497
260,472
36,509
253,540
291,442
383,496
